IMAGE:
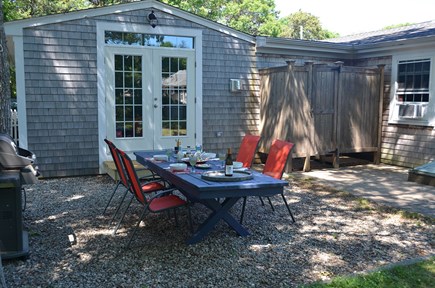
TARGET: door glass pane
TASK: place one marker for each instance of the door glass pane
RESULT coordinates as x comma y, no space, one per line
174,96
138,96
128,96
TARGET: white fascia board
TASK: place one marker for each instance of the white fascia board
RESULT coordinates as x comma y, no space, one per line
392,47
346,51
302,47
16,27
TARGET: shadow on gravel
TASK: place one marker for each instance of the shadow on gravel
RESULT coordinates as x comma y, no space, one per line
334,235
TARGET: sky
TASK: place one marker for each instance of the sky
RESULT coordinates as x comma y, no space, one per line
348,17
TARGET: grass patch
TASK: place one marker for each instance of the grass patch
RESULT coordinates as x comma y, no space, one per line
421,274
364,204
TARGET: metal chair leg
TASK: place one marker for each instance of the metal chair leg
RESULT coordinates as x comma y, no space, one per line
175,216
137,226
2,275
271,205
190,218
123,215
243,210
110,200
119,207
261,199
288,208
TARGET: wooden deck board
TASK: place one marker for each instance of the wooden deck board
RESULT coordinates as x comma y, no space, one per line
113,173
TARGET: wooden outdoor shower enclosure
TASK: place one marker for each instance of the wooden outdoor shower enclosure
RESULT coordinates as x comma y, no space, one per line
323,109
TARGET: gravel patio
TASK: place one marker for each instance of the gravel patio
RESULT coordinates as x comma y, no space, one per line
335,234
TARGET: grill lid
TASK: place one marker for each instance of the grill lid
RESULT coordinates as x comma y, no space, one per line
12,156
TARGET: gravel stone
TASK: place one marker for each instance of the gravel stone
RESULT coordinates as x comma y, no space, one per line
71,243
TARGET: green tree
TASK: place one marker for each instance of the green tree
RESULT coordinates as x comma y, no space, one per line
102,3
5,88
397,26
255,17
303,25
21,9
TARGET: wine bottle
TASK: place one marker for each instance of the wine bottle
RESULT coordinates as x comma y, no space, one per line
229,164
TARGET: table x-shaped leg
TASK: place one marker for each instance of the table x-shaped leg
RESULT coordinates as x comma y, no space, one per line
220,211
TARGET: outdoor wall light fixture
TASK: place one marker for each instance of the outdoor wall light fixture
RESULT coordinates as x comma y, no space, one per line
235,85
152,19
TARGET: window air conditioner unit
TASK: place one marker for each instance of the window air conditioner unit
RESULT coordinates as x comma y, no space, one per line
412,110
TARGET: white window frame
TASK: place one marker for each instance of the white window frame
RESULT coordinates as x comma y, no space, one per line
428,118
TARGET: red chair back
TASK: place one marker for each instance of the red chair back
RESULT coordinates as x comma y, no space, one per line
135,185
118,163
276,160
247,150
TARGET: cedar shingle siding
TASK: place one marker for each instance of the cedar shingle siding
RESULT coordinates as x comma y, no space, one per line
61,88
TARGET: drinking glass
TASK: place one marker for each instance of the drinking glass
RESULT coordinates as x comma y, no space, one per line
222,156
169,154
192,160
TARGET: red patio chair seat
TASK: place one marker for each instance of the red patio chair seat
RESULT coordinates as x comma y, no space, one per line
159,202
149,185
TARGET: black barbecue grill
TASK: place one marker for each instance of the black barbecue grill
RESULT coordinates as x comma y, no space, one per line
16,168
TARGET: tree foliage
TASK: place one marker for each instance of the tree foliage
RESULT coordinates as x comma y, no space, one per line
397,26
303,25
255,17
5,88
21,9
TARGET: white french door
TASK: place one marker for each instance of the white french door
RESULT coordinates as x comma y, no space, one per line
150,97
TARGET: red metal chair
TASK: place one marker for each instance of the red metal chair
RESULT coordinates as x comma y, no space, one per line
151,185
279,153
159,202
247,150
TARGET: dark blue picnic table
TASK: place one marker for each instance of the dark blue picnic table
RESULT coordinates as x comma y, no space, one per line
219,197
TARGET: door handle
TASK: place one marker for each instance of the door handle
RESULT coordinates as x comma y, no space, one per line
155,105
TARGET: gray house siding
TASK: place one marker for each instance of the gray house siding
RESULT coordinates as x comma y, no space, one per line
401,145
61,91
61,97
233,113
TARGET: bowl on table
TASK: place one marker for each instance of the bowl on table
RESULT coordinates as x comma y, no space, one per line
177,167
208,155
237,165
160,157
199,161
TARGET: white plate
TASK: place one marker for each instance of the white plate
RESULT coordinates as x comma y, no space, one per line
203,166
241,169
198,162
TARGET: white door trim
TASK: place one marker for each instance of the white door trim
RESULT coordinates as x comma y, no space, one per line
103,26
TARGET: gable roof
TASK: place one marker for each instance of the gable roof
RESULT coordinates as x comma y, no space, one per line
370,44
420,30
15,28
363,45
